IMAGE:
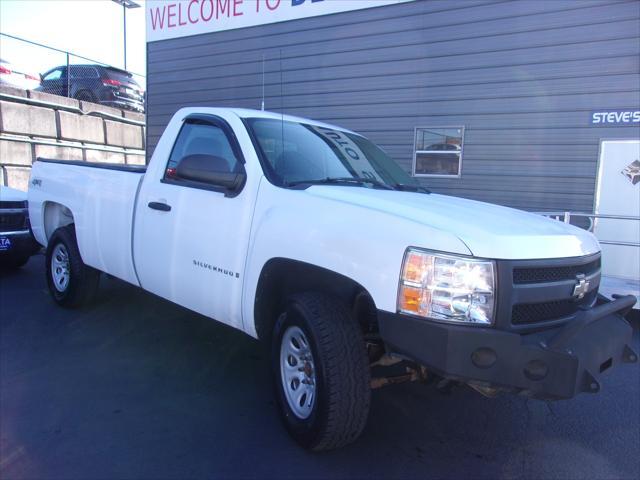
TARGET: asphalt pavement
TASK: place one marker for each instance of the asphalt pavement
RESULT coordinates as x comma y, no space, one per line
135,387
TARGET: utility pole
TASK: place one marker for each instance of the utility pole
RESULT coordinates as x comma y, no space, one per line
126,4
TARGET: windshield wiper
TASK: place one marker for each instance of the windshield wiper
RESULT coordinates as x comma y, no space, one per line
342,181
405,187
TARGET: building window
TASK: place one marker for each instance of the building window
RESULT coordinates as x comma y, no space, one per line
438,152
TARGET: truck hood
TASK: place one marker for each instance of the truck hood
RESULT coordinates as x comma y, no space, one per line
489,231
8,194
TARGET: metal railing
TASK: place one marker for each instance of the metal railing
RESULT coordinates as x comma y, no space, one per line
592,219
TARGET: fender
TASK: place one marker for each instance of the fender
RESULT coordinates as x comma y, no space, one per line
297,225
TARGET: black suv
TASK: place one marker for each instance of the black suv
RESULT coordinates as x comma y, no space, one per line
95,83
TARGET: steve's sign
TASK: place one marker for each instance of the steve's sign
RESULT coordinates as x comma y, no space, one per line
616,117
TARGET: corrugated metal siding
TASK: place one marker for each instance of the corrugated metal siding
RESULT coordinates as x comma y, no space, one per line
523,78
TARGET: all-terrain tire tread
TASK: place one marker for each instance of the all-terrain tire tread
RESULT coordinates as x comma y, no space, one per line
346,368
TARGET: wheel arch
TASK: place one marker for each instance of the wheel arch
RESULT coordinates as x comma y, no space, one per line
55,215
281,277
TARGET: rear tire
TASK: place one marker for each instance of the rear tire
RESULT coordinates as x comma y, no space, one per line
321,372
71,282
85,96
13,263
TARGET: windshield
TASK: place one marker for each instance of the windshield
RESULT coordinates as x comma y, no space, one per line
298,153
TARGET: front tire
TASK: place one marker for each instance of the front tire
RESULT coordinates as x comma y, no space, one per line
71,282
321,372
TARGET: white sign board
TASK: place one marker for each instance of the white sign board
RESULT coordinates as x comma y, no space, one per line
182,18
618,193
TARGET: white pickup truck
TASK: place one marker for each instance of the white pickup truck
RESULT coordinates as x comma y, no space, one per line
310,237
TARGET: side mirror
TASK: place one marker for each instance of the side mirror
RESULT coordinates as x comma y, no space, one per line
211,170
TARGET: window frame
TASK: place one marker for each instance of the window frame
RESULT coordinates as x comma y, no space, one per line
416,151
61,77
214,121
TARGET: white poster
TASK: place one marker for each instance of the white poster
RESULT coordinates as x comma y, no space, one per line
181,18
618,193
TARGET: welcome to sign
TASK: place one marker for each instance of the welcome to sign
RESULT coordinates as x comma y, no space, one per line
182,18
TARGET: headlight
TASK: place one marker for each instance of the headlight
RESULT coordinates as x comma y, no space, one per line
447,288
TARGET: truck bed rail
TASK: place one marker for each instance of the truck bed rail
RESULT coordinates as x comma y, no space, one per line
106,166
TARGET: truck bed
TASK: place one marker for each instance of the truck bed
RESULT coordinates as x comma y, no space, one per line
102,197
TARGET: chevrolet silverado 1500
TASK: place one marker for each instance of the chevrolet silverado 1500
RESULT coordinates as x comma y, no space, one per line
310,237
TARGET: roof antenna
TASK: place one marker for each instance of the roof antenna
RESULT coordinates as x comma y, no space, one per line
281,105
263,82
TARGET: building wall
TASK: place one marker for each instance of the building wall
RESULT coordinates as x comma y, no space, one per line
522,77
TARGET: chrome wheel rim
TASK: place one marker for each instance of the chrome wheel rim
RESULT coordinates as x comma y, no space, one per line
60,269
297,372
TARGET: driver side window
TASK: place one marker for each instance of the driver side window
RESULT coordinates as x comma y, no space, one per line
203,139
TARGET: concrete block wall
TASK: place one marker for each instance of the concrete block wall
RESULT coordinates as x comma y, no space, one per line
65,129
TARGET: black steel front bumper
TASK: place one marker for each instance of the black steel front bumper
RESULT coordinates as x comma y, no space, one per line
555,363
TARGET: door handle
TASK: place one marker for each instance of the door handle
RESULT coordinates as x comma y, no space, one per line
163,207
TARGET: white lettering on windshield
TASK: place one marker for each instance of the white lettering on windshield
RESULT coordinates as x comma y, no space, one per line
350,151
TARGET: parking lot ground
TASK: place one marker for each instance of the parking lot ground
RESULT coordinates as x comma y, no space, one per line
135,387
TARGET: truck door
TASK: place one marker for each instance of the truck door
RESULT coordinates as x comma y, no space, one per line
191,232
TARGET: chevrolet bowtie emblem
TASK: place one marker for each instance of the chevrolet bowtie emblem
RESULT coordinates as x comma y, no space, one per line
581,288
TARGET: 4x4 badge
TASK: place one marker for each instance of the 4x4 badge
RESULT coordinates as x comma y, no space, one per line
581,288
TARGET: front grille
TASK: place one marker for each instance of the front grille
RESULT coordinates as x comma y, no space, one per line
11,204
542,312
553,274
12,221
542,291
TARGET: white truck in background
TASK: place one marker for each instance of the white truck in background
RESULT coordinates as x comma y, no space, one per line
311,238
